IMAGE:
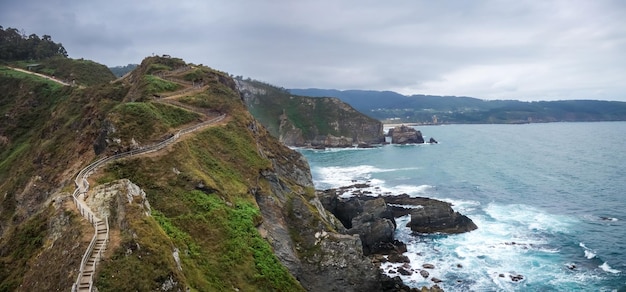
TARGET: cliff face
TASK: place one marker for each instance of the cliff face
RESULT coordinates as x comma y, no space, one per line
305,121
226,207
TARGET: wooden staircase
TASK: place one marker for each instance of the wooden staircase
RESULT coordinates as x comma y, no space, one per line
98,244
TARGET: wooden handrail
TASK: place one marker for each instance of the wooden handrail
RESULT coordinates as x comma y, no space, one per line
82,187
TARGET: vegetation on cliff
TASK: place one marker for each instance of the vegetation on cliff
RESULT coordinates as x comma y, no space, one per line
300,121
200,188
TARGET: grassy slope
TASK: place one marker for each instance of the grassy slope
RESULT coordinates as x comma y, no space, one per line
49,131
85,72
206,211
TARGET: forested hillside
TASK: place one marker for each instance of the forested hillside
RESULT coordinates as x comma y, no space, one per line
391,107
15,45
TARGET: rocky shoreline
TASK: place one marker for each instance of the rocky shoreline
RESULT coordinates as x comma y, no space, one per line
373,218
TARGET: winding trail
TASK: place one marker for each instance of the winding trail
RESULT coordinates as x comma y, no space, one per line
40,75
98,244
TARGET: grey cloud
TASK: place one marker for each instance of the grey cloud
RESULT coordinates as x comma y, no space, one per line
487,49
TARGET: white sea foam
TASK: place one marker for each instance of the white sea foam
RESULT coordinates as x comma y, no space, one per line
532,218
589,254
406,206
411,190
336,176
501,248
605,267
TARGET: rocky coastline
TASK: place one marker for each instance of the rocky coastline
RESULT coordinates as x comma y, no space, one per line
373,218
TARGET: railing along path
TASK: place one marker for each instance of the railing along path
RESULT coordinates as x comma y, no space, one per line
97,246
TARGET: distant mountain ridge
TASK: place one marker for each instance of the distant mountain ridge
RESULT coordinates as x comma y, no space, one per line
389,106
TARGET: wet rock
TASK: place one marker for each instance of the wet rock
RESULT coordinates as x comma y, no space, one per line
432,141
428,266
436,280
516,278
424,273
404,272
439,216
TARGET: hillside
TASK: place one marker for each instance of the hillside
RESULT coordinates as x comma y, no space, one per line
393,107
225,206
304,121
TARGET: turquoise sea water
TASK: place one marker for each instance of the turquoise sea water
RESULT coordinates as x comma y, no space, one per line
549,201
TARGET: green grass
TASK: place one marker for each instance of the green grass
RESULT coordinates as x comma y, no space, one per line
85,72
23,243
237,252
154,85
214,228
144,261
21,75
148,120
12,155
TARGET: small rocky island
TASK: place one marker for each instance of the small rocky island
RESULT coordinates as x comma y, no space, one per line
407,135
373,218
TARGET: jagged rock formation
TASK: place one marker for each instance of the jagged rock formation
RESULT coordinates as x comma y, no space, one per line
432,216
427,215
305,121
405,135
308,239
372,220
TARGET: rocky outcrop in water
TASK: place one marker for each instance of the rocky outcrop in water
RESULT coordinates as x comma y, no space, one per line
427,215
430,215
405,135
372,220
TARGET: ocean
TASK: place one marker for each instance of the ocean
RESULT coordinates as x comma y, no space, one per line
549,201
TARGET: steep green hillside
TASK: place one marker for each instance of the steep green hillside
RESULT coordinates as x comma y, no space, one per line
301,121
225,207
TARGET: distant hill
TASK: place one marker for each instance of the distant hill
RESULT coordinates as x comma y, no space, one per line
306,121
389,106
120,71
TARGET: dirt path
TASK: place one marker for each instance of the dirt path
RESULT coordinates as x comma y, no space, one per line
40,75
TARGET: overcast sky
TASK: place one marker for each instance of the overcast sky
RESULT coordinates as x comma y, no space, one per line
526,50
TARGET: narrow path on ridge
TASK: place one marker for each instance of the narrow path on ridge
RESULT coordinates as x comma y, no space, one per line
98,244
40,75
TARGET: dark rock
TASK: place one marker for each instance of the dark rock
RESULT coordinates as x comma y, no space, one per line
398,258
432,141
516,278
428,266
459,266
371,219
394,284
424,273
405,135
436,280
404,272
438,216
